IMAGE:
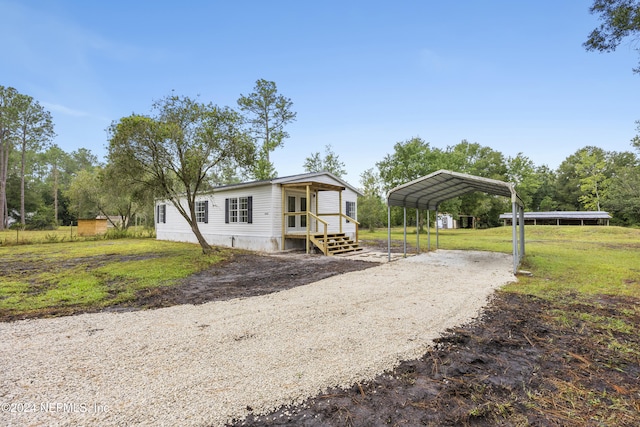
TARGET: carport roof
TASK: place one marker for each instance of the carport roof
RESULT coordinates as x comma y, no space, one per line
429,191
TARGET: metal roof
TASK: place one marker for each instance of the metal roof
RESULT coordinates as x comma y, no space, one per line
300,178
562,215
429,191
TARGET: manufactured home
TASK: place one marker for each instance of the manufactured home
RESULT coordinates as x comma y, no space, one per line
307,211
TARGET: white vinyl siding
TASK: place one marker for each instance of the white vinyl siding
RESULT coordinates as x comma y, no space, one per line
259,220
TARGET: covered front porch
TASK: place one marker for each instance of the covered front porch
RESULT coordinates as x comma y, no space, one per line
320,224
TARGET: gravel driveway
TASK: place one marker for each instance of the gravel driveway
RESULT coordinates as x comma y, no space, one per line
206,364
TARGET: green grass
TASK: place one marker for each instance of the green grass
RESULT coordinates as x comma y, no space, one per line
65,277
41,278
585,260
64,234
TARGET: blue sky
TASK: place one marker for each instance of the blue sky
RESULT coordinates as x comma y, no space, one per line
362,75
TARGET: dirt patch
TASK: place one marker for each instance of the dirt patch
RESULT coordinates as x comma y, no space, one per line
525,362
246,275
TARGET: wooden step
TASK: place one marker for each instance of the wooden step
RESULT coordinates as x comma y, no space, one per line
335,243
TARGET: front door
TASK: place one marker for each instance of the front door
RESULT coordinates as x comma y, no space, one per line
296,203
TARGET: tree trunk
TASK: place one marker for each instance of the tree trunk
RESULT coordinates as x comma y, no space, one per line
4,170
22,213
206,247
55,193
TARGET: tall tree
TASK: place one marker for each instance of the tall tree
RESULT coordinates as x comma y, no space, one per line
411,159
620,20
34,130
8,126
330,163
522,172
371,210
175,151
100,190
267,113
56,158
544,197
591,169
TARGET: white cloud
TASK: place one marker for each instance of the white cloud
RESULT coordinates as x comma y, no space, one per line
65,110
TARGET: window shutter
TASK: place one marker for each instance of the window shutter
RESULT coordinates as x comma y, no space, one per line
157,214
206,211
250,210
226,211
164,214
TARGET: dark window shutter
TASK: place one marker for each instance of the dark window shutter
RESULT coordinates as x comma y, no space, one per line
164,213
158,214
226,211
206,211
250,209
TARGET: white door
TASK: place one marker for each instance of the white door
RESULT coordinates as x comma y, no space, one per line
296,203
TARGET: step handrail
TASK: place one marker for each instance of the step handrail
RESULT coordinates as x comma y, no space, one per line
324,223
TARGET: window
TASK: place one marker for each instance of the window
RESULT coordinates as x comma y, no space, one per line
161,214
202,211
238,210
351,210
303,208
291,207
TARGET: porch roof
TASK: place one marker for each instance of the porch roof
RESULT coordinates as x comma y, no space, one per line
314,186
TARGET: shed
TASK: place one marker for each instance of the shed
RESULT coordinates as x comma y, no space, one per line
92,226
428,192
562,218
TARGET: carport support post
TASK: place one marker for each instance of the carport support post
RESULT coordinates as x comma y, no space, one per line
417,230
437,235
428,231
405,231
521,210
514,227
389,232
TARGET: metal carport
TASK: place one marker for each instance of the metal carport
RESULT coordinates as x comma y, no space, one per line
427,192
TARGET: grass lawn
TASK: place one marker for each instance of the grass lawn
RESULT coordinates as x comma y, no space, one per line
70,276
60,234
61,278
585,260
570,329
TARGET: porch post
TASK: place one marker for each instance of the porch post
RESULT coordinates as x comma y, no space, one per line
340,209
284,216
306,215
316,217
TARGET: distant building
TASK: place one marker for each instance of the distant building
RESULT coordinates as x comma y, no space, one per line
446,221
92,226
561,218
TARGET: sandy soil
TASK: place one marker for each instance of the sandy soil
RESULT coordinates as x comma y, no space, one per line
209,363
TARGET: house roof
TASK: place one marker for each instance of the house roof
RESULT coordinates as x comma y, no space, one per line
429,191
562,215
299,179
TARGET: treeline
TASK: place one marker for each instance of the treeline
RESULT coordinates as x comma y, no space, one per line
590,179
42,186
183,147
